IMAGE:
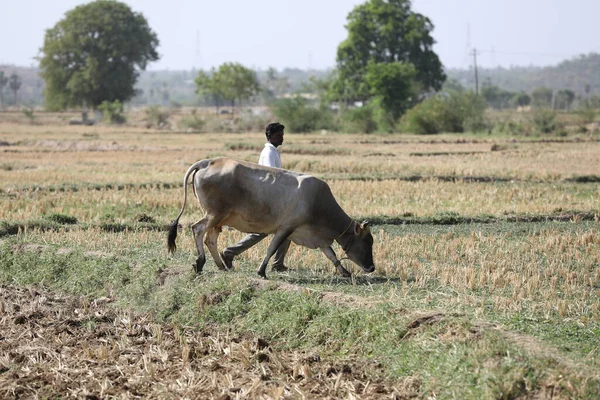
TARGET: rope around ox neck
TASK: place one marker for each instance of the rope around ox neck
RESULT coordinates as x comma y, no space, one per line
345,248
349,225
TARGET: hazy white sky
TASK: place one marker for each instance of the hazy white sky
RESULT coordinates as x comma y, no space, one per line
306,33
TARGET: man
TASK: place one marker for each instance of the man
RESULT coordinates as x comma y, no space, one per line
270,158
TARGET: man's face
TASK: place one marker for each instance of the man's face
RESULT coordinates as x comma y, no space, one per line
276,138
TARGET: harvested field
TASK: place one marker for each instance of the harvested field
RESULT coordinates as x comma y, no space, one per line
57,345
486,283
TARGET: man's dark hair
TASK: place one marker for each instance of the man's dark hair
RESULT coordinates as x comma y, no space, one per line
273,128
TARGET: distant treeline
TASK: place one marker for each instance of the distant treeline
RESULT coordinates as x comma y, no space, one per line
580,75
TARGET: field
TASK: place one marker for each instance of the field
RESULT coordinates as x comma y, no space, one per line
487,281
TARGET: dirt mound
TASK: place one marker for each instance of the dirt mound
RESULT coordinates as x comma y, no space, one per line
52,345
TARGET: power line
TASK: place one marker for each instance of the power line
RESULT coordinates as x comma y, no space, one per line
517,53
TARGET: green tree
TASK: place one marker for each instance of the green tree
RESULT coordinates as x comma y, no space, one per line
14,83
207,85
234,82
495,97
393,88
274,84
385,32
94,54
541,97
522,99
564,99
3,82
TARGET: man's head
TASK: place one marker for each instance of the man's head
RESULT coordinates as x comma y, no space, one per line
274,133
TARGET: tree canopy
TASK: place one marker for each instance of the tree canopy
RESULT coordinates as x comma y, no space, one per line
386,32
232,81
542,97
94,53
207,85
392,85
14,82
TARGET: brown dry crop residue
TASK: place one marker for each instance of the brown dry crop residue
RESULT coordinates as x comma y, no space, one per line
54,345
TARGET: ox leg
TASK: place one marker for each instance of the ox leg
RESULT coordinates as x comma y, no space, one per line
328,251
211,240
277,240
199,229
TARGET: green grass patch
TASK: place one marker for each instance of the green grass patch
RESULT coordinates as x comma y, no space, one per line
62,219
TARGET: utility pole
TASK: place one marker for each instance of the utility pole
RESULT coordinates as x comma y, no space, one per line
474,54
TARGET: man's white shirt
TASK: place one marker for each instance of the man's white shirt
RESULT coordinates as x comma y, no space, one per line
269,156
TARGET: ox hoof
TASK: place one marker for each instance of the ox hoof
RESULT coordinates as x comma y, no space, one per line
262,274
199,264
227,261
280,268
345,274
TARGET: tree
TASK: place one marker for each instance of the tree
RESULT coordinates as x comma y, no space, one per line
207,85
386,32
3,82
522,99
495,97
392,85
14,83
564,99
94,54
234,82
542,97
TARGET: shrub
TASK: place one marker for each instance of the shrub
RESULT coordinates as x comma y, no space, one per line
112,112
447,112
585,116
544,120
193,122
509,126
299,116
156,117
359,120
424,118
28,113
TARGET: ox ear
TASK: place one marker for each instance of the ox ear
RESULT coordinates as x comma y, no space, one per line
365,224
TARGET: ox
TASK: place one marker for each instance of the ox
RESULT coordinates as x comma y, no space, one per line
257,199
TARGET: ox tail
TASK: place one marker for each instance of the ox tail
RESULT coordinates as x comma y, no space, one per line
174,227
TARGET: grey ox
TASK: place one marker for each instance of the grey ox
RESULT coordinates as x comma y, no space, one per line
256,199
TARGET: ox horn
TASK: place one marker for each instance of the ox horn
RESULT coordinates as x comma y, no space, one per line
365,224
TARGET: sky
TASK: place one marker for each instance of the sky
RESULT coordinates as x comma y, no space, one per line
305,33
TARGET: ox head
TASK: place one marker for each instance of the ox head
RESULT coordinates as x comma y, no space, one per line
359,247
